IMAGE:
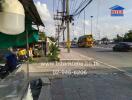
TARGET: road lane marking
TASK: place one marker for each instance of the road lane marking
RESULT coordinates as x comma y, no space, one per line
125,72
102,48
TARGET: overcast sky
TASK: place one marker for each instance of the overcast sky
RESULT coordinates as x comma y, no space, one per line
103,22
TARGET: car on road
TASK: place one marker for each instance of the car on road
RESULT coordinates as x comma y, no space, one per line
123,46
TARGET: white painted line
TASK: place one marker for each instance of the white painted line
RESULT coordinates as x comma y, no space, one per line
125,72
110,66
102,47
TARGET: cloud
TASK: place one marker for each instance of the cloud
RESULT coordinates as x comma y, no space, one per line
45,17
107,25
43,11
128,11
87,22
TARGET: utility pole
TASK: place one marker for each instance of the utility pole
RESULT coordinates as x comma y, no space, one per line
63,37
91,25
58,17
58,34
68,27
65,18
63,28
64,10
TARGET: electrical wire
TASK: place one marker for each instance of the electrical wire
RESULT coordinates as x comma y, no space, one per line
76,13
53,6
97,23
58,4
72,5
81,4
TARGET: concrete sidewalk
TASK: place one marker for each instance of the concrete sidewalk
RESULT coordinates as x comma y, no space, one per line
68,61
64,55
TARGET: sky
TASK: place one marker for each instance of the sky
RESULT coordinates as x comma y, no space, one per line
104,25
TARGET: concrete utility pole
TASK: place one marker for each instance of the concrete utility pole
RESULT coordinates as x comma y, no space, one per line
58,34
91,25
63,29
63,37
68,28
64,10
64,17
58,31
58,17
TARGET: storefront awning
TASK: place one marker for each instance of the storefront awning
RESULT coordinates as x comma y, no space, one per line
7,41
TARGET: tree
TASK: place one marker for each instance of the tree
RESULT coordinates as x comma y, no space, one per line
54,52
104,39
118,38
128,36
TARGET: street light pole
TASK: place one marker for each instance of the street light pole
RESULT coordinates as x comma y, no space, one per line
84,22
91,24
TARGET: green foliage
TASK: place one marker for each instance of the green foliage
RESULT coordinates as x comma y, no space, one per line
126,38
52,39
105,39
118,38
42,36
31,60
54,53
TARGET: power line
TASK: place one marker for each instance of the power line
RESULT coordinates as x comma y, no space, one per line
53,6
79,11
58,4
74,6
84,22
98,13
81,4
71,5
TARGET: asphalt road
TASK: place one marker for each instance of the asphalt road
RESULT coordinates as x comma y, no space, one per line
100,82
92,87
121,60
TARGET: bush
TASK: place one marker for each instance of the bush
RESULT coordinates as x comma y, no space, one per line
54,53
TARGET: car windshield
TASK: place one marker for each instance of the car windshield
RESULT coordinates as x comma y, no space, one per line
65,49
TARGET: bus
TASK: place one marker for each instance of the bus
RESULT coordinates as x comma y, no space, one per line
86,41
